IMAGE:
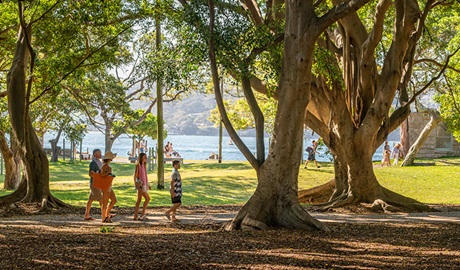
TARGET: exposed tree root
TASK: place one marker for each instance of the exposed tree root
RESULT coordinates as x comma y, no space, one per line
252,224
385,201
405,203
50,201
294,216
16,196
342,200
20,196
298,218
319,194
235,223
382,206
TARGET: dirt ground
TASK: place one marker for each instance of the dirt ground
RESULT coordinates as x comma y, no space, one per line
59,239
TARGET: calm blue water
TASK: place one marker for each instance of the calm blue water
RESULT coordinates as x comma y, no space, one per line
189,146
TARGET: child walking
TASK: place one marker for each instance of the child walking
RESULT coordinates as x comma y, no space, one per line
107,194
386,158
175,190
142,185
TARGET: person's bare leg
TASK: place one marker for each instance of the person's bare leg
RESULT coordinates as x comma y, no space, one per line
146,202
105,201
173,211
113,201
138,202
88,209
316,163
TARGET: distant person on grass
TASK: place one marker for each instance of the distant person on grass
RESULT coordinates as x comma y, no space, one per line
386,158
175,191
107,194
396,153
311,150
142,185
95,194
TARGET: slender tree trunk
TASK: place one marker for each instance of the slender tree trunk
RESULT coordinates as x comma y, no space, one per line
412,153
55,149
108,141
404,137
160,122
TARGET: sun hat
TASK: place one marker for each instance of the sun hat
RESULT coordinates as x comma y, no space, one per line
109,155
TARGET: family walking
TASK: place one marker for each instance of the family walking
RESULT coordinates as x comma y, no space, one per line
103,193
396,153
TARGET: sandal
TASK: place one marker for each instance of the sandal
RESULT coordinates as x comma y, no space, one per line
144,217
107,220
167,216
113,215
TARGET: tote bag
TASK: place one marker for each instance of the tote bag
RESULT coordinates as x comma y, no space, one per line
102,183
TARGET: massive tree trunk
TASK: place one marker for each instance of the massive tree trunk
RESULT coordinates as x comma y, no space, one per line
36,187
353,116
412,153
275,201
12,163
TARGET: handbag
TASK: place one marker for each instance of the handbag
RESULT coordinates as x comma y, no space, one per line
102,183
138,183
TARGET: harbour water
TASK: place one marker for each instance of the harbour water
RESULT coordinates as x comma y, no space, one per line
190,147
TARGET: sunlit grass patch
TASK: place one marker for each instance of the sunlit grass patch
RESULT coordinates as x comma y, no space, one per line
210,183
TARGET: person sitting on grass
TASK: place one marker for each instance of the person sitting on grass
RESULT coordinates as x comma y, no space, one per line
175,190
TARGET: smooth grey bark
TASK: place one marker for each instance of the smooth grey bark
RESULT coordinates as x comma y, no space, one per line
435,119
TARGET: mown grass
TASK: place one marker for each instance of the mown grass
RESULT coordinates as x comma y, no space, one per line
210,183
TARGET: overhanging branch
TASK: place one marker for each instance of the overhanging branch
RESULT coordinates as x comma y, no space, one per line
219,100
79,64
433,79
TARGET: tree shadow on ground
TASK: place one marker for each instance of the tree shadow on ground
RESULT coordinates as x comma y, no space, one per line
200,246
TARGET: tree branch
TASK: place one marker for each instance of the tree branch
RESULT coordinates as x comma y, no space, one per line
376,34
79,64
256,51
141,88
219,100
454,100
432,61
258,118
46,12
338,12
84,107
254,11
433,79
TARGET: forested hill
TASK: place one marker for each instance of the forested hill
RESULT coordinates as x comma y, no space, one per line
189,116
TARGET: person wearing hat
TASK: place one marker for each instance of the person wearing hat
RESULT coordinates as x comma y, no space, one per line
95,194
106,170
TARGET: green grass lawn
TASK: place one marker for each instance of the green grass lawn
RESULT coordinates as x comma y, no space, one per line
210,183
